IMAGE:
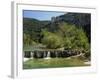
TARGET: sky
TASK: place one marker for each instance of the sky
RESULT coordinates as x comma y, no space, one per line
41,15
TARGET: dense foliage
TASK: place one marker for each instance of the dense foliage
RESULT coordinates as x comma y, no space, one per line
51,40
68,36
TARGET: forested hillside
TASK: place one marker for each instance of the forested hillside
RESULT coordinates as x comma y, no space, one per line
71,30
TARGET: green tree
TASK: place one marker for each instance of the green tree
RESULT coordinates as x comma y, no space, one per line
51,40
27,40
74,37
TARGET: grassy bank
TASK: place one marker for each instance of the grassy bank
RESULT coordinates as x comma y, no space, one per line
52,63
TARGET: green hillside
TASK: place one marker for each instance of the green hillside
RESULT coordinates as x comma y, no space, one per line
71,30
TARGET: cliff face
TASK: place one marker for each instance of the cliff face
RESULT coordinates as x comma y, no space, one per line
80,19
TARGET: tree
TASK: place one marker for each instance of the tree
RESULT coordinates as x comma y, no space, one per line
27,40
51,40
73,37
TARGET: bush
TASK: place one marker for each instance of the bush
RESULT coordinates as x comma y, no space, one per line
88,55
